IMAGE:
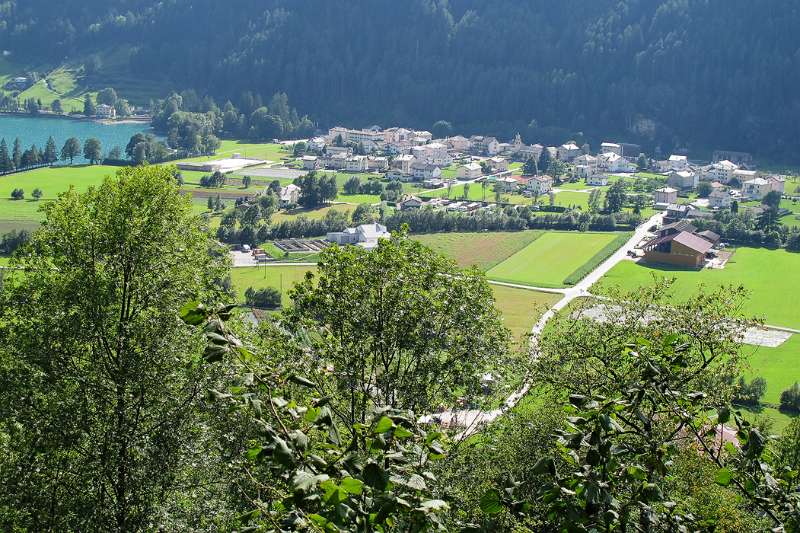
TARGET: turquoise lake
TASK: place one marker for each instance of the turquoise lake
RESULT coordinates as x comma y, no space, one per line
36,130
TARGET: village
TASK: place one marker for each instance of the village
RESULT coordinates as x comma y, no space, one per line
478,174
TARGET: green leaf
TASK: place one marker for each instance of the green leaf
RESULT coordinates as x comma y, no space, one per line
723,477
352,485
282,452
432,506
375,476
193,313
214,353
545,465
300,380
637,472
383,425
253,453
723,415
491,502
402,433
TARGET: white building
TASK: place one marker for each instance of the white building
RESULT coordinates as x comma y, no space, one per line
611,148
720,199
498,164
539,185
357,163
470,171
666,196
683,179
105,111
721,171
289,196
459,143
432,154
568,152
597,180
365,235
611,162
756,188
310,162
316,144
678,162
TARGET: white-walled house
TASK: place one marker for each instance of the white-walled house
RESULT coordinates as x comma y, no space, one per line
365,235
539,185
678,162
289,196
310,162
720,199
611,162
499,164
721,171
403,163
568,151
756,188
611,148
470,171
597,180
683,179
665,196
357,163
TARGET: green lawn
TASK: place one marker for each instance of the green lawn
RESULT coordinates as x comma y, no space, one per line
282,277
548,260
483,250
476,194
314,214
570,198
779,366
520,308
267,151
769,275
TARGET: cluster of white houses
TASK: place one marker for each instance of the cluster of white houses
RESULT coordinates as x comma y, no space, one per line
411,155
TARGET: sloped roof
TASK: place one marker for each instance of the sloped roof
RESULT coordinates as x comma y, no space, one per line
692,241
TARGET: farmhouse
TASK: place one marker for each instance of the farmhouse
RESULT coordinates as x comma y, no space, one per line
365,235
410,202
678,244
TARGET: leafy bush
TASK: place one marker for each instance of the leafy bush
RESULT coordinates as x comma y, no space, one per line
267,298
790,398
17,194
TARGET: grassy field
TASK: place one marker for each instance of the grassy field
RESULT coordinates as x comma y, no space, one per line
476,194
548,260
282,277
483,250
520,308
769,275
267,151
314,214
779,367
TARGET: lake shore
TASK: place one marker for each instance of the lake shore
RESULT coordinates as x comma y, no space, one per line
143,119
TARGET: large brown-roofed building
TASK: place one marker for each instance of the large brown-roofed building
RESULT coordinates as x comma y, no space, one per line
677,246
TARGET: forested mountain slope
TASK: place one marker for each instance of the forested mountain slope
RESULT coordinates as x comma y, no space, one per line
698,74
